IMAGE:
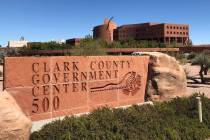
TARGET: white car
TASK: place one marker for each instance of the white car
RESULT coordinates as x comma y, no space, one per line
137,53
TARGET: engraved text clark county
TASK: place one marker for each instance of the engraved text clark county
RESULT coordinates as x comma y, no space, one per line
51,80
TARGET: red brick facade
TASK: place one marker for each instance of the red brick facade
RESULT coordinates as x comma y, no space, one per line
160,32
105,31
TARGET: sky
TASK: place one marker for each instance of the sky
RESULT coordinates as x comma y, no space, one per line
45,20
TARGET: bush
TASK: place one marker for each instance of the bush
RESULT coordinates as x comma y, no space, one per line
12,52
182,58
132,43
90,47
2,55
191,56
203,60
47,46
175,120
8,52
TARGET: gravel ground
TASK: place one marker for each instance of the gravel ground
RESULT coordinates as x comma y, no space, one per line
193,87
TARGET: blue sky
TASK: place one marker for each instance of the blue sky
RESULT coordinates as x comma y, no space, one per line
44,20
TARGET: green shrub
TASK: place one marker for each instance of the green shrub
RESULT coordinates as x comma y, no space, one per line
174,120
2,55
181,57
132,43
9,52
47,46
203,60
191,56
12,52
90,47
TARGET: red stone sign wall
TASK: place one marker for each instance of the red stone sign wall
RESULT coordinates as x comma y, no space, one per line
47,87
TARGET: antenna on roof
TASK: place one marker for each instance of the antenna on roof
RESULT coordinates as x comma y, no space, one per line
109,22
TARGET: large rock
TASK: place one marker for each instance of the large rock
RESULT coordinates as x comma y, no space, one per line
14,125
166,78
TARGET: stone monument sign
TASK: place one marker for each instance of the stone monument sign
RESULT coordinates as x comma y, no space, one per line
48,87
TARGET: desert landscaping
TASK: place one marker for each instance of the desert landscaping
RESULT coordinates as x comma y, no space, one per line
193,87
159,77
104,70
52,90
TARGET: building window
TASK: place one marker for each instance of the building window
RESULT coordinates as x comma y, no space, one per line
170,32
177,27
170,27
167,27
181,33
167,32
183,28
174,32
177,32
184,33
174,27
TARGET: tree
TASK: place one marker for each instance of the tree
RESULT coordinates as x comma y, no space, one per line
2,55
47,46
90,47
13,52
114,44
202,59
188,43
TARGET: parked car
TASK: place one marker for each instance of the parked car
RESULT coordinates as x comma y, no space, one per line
137,53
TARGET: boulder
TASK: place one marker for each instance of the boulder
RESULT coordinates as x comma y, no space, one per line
166,78
14,125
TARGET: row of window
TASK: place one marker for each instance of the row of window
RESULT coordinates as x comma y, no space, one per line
157,33
177,27
181,33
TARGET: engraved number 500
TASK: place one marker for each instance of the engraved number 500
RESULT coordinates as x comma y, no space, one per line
45,104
